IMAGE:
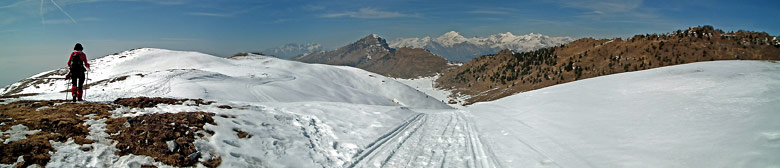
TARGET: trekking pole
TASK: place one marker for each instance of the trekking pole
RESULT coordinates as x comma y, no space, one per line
66,89
86,79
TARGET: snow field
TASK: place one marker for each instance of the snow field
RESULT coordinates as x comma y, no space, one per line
707,114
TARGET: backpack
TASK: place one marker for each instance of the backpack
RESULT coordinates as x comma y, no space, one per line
76,64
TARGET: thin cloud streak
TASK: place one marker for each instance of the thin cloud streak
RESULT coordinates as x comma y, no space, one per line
68,21
224,14
488,12
604,7
43,18
210,14
369,13
178,39
63,11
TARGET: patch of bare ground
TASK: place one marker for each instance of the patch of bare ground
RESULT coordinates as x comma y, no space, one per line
166,137
242,134
56,120
146,102
224,107
18,95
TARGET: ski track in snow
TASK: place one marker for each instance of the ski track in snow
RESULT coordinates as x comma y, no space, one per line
429,139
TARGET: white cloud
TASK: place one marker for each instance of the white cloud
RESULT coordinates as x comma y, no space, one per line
369,13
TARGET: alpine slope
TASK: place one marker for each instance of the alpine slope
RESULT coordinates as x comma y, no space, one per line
708,114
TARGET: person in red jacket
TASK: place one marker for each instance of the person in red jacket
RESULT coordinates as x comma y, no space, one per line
78,65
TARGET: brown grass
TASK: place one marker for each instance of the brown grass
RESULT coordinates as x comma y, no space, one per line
148,135
146,102
144,135
56,123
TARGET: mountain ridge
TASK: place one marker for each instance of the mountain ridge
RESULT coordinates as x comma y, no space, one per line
455,47
494,76
374,54
290,50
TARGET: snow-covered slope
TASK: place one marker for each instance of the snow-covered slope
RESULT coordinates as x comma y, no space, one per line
427,85
707,114
166,73
456,47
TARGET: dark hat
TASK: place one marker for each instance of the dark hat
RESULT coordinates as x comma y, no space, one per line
78,47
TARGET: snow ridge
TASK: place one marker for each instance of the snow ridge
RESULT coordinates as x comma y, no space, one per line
166,73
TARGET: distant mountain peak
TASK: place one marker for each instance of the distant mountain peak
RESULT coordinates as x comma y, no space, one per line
373,40
451,38
290,50
509,34
452,33
373,53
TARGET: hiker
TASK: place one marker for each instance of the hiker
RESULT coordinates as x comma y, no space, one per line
77,64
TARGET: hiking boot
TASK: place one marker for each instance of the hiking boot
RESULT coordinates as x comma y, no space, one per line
80,93
74,92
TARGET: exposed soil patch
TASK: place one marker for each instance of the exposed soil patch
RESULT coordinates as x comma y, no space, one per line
18,95
57,121
167,137
242,134
121,78
146,102
105,81
224,107
213,162
243,54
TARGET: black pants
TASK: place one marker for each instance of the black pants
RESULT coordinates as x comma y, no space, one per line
77,79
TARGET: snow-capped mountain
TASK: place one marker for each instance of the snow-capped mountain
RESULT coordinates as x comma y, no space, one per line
455,47
290,50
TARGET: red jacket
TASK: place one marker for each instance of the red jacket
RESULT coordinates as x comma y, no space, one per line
82,56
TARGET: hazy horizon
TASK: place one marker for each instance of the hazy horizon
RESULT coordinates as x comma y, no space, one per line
37,36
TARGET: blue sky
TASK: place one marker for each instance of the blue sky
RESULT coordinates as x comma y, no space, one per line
37,35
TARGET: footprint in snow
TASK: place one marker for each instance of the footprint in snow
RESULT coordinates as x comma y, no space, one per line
231,143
